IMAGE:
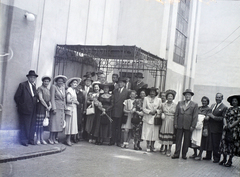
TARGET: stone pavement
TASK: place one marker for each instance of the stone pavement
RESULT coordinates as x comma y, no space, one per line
85,159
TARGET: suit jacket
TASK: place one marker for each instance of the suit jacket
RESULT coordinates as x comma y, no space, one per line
186,117
216,125
136,86
118,99
129,86
85,93
26,103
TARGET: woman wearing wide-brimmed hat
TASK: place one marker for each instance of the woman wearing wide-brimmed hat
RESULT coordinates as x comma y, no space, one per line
107,103
92,101
151,108
43,107
230,143
58,101
166,135
71,109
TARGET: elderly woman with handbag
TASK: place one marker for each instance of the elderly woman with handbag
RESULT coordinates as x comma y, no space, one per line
151,109
58,101
200,137
71,109
166,135
91,113
43,107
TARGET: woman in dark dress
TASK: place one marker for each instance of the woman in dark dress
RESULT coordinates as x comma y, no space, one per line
137,116
43,108
92,123
206,140
106,108
81,100
230,143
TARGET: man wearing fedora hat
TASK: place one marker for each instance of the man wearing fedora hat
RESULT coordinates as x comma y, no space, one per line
139,83
26,100
185,120
119,95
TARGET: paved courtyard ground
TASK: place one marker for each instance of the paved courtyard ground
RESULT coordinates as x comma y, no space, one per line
85,159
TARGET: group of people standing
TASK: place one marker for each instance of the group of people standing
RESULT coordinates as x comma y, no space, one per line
99,112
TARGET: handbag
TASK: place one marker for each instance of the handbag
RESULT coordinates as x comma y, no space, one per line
205,132
90,109
46,120
124,119
157,120
135,119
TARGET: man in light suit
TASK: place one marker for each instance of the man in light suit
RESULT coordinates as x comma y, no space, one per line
119,95
216,127
185,121
26,100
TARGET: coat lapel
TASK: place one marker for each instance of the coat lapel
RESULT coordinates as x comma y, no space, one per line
28,88
189,105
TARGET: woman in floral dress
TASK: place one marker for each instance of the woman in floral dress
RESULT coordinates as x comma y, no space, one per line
230,143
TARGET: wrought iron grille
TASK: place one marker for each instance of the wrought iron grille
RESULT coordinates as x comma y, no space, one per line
123,58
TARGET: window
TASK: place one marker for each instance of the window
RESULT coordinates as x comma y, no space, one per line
181,32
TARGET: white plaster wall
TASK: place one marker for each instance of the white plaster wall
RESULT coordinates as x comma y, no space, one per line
218,61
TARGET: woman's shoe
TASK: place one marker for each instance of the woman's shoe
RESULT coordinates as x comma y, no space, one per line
55,142
139,148
228,164
193,156
135,147
50,141
90,141
38,142
162,149
164,153
148,150
69,143
222,162
43,142
168,153
198,158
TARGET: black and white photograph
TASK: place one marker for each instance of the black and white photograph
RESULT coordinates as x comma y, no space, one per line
146,88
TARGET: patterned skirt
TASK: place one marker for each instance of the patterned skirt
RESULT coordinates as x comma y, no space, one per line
137,131
41,113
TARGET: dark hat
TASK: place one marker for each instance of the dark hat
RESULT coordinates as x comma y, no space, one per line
88,78
188,91
60,76
69,81
89,74
99,72
173,92
110,85
231,98
139,75
142,89
46,77
153,89
32,73
121,79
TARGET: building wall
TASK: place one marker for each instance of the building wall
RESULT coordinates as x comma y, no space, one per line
218,61
146,24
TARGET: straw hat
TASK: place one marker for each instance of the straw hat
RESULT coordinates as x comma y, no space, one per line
60,76
78,79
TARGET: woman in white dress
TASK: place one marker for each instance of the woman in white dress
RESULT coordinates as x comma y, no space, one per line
151,108
166,135
71,110
129,109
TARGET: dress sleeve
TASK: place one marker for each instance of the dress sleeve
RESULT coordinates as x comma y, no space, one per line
145,109
53,92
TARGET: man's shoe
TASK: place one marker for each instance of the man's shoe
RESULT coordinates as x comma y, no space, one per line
24,144
206,158
184,157
175,157
215,161
193,156
228,164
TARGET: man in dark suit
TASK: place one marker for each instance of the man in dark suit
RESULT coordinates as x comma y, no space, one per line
119,95
139,83
216,127
185,121
115,80
26,100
